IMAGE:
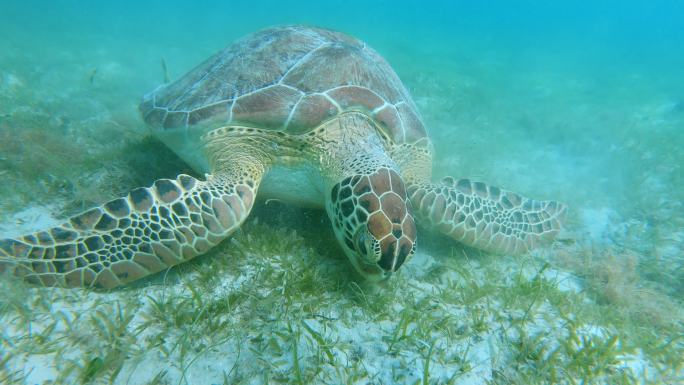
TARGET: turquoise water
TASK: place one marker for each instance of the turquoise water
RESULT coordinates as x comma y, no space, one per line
582,78
581,102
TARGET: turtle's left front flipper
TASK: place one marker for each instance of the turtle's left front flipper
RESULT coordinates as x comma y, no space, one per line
486,217
128,238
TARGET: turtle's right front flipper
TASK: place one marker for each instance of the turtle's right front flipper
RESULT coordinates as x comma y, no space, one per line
486,217
128,238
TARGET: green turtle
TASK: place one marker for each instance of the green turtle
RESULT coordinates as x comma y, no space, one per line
309,116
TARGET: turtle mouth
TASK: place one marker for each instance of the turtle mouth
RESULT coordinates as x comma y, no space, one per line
365,261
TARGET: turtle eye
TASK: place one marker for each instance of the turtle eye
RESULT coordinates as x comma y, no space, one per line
364,245
361,243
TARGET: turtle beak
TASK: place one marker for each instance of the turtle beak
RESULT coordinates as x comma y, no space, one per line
394,251
389,254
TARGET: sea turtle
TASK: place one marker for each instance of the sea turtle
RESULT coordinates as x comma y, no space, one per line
305,115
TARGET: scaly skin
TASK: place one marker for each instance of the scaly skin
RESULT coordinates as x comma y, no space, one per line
175,220
149,230
473,213
367,201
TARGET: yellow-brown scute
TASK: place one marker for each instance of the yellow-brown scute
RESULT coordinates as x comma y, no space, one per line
390,222
379,225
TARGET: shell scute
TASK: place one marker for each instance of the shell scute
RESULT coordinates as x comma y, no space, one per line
349,97
289,79
267,108
310,111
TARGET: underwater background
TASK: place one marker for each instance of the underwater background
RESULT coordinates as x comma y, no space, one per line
580,102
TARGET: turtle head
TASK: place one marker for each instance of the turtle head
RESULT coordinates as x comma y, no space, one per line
372,219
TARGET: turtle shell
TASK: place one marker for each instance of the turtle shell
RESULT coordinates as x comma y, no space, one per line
290,79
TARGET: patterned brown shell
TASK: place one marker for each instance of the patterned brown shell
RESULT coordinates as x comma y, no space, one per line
290,79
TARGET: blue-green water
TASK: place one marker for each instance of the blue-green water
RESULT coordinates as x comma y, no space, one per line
582,102
582,78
